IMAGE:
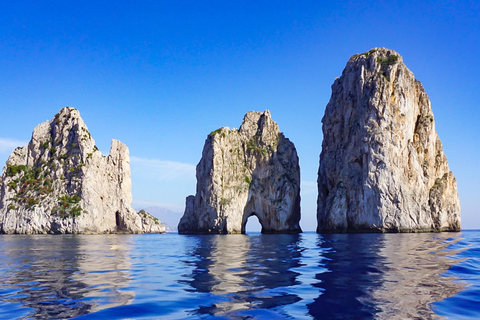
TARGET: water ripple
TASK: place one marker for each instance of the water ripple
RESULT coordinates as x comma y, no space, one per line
306,276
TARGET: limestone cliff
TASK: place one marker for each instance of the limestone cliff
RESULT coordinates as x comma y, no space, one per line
61,183
250,171
382,166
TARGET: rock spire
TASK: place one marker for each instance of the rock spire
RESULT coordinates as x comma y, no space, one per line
61,183
250,171
382,166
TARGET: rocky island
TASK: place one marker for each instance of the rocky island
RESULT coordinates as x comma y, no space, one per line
61,183
250,171
382,166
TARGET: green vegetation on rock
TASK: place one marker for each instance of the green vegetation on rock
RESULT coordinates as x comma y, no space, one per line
391,59
68,206
31,182
254,144
214,132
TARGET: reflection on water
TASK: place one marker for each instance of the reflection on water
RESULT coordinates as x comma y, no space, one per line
245,273
353,267
255,276
53,276
414,279
105,270
380,276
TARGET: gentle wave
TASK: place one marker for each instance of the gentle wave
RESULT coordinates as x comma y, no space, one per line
255,276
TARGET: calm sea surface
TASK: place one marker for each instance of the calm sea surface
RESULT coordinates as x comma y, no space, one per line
254,276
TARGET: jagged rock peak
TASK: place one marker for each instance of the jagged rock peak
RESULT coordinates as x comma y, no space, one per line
250,171
61,183
382,166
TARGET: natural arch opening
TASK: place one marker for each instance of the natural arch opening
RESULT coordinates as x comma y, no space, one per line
254,224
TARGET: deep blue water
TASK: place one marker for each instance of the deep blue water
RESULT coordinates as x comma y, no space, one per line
254,276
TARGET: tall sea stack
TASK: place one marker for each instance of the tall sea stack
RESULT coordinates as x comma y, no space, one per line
250,171
382,166
61,183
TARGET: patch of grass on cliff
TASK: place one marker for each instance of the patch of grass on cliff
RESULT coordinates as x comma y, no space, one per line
392,59
213,133
30,202
30,182
12,185
86,131
14,170
68,206
224,201
384,74
254,144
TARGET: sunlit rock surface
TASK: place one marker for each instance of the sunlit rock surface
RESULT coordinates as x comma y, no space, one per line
250,171
382,166
61,183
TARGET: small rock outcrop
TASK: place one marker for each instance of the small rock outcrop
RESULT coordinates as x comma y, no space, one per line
250,171
61,183
382,166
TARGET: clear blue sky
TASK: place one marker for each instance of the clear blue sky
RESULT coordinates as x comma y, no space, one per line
161,75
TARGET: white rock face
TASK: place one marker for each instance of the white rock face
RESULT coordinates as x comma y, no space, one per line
245,172
61,183
382,166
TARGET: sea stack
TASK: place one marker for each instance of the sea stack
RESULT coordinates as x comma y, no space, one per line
250,171
61,183
382,166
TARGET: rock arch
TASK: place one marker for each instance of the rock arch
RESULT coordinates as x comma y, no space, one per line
247,218
250,171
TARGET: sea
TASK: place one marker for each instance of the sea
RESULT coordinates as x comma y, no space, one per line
250,276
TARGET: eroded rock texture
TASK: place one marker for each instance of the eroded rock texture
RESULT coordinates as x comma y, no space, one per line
61,183
382,166
250,171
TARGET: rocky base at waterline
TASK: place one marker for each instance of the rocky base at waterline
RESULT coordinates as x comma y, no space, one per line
250,171
61,183
382,166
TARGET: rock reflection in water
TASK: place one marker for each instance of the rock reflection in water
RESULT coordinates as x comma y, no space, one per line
64,276
245,273
105,269
354,267
416,263
383,276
